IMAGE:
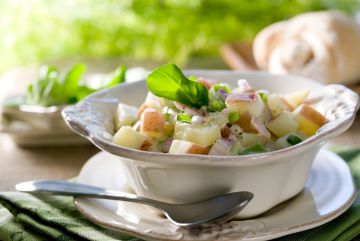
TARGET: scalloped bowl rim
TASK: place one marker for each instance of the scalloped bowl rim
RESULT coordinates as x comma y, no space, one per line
195,159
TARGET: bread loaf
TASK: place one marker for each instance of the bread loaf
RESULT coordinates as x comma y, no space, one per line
324,46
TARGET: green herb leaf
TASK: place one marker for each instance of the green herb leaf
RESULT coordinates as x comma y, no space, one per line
117,77
39,90
293,139
221,86
183,118
254,149
264,97
234,116
192,78
216,102
72,78
51,89
216,106
84,91
169,82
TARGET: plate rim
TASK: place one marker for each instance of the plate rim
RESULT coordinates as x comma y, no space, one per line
279,233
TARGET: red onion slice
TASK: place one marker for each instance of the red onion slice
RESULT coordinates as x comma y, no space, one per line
260,127
220,148
244,86
242,97
187,109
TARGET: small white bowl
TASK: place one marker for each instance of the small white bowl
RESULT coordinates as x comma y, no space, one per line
35,126
272,177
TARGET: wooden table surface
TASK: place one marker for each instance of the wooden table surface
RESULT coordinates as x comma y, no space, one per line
20,164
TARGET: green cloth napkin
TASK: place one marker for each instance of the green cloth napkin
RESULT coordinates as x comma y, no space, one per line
42,217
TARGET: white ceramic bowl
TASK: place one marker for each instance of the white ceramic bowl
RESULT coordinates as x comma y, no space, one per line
35,126
273,177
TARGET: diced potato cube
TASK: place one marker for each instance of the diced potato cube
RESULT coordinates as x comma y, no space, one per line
301,134
152,123
251,124
153,101
147,144
125,115
283,124
235,149
266,115
186,147
277,104
281,143
309,119
245,122
297,98
245,102
141,110
249,139
217,118
180,128
203,135
236,130
306,125
169,128
221,148
128,137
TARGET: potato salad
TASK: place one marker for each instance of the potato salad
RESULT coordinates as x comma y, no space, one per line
193,115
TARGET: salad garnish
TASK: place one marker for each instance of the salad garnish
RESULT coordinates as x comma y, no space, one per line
169,82
54,88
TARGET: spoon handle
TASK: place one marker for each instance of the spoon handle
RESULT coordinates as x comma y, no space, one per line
79,190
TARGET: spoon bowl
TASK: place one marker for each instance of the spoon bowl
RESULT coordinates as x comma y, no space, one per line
215,209
218,208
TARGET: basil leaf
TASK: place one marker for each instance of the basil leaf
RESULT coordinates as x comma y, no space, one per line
84,91
72,78
169,82
192,78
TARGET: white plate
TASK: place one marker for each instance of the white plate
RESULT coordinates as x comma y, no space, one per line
329,191
33,126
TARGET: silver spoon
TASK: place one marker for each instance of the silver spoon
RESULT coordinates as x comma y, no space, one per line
218,208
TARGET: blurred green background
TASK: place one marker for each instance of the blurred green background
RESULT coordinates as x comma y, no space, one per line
38,31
